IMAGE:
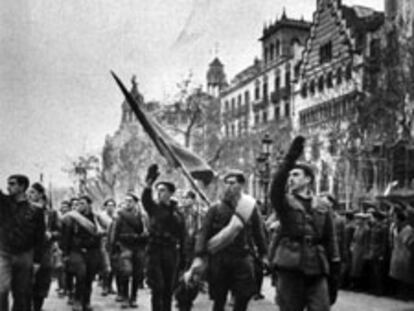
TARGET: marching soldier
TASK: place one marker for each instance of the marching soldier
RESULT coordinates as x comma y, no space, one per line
82,250
22,231
43,276
232,267
128,236
307,252
165,253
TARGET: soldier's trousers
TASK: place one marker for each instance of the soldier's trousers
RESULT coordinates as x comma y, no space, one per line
16,276
162,267
297,292
134,274
84,266
231,273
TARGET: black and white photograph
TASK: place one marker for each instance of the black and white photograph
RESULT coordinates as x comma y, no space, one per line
198,155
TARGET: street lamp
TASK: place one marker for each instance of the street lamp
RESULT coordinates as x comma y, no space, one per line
263,169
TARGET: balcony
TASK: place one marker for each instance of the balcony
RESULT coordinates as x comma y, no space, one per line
278,95
259,105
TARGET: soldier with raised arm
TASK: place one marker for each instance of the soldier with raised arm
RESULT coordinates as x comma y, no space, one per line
165,250
307,253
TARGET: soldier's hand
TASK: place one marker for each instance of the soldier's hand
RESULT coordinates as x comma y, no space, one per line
152,174
296,149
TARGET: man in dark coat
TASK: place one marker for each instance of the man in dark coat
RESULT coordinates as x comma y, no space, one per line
82,250
22,231
129,237
166,243
232,267
43,277
307,252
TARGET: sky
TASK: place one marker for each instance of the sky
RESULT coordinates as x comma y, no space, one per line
57,98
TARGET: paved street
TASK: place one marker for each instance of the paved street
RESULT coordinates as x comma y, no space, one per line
347,301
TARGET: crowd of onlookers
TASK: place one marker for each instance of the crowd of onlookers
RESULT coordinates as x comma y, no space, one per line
377,249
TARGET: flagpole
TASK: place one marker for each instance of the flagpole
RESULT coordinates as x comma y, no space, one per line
160,142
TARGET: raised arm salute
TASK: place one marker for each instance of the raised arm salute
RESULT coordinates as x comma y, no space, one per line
307,252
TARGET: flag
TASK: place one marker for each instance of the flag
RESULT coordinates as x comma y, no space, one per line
176,155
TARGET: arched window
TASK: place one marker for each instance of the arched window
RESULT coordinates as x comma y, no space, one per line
329,82
321,85
312,87
304,90
339,76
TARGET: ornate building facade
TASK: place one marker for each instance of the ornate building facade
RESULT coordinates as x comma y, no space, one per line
261,93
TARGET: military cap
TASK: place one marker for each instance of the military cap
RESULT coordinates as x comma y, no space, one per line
169,185
133,196
235,173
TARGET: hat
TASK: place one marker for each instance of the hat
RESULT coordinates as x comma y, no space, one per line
307,168
169,185
235,173
133,195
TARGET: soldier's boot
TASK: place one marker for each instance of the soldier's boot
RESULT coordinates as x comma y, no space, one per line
133,302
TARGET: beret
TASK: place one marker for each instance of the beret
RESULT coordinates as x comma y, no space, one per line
235,173
169,185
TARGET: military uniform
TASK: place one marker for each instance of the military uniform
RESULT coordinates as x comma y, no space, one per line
43,277
129,237
232,268
307,248
84,257
165,251
22,230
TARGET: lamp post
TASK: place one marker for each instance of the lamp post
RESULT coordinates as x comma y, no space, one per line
263,169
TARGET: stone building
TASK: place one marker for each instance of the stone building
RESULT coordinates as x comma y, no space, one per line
261,93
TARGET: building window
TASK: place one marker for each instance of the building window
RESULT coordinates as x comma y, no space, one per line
287,109
277,112
239,103
272,51
277,83
256,118
264,116
240,128
348,72
257,91
287,80
233,130
247,98
339,76
304,90
329,82
226,106
233,106
277,47
266,53
265,91
227,130
325,53
297,70
320,84
246,125
312,87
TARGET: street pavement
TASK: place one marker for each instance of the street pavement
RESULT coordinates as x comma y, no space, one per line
347,301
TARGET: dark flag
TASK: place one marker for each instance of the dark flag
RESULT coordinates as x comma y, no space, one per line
176,155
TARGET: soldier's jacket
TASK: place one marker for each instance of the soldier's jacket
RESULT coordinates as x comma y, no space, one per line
129,229
22,227
307,222
218,216
378,239
166,223
77,238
